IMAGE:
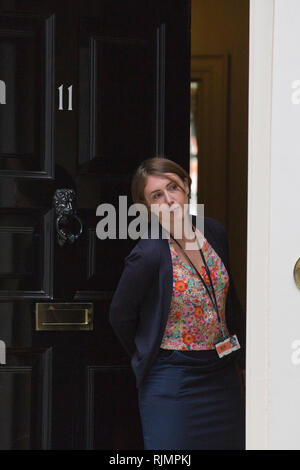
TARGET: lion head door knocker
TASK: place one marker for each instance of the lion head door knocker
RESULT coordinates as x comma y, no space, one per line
68,224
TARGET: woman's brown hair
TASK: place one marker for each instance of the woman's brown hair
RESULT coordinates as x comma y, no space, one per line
155,166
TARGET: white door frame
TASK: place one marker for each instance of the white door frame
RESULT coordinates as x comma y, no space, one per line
259,157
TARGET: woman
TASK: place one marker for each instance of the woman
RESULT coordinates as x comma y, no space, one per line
169,313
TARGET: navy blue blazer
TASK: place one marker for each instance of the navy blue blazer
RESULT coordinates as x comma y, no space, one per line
141,302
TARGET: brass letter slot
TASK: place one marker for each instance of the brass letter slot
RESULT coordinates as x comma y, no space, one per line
64,316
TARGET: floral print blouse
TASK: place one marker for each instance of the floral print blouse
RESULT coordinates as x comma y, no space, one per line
192,322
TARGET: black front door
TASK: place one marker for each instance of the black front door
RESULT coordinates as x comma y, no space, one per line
88,89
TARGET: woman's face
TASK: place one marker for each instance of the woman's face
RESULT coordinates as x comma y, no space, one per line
165,197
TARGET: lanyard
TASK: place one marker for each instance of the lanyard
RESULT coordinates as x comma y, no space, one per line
214,302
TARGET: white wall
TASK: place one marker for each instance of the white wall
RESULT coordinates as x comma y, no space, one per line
259,158
273,300
284,248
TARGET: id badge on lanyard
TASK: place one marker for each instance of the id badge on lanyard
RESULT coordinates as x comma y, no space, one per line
227,346
231,343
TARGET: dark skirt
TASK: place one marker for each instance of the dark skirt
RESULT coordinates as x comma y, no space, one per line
192,400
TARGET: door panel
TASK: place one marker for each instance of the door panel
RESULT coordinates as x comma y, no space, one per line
26,113
87,91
